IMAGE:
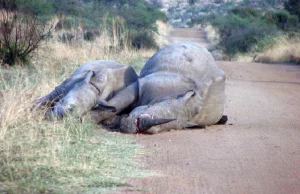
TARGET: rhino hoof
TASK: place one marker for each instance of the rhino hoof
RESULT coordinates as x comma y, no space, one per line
223,120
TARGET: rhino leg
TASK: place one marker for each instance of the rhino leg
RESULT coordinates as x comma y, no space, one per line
103,105
122,100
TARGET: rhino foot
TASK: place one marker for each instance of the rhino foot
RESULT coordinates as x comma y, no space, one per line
223,120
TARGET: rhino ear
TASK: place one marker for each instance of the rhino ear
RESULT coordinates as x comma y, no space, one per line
89,76
103,105
188,94
146,123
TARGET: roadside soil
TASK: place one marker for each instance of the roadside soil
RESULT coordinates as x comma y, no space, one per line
257,151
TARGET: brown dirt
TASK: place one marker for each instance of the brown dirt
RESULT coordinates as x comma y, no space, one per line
188,34
257,151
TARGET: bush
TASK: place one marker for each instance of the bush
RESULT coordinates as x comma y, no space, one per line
41,10
136,15
142,40
293,6
282,19
21,36
140,18
245,40
263,3
192,2
246,12
242,31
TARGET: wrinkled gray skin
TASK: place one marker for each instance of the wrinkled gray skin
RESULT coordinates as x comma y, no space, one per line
180,87
90,85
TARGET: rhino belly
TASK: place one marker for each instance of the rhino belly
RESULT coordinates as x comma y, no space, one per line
212,108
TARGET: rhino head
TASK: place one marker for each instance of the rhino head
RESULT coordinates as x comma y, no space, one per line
59,92
143,118
135,124
81,98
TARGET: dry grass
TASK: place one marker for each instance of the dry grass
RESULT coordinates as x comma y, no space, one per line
212,35
162,37
285,50
58,55
37,156
243,58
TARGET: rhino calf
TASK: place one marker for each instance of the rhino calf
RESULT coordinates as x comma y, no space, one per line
90,85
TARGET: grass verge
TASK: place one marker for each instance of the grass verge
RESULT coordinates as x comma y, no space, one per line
286,50
38,156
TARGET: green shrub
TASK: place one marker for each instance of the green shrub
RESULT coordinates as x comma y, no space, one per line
246,12
282,19
250,26
263,3
245,39
70,22
137,15
192,2
242,31
142,39
21,35
39,9
293,6
140,15
140,18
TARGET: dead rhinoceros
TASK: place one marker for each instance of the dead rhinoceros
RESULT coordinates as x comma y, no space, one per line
90,85
179,87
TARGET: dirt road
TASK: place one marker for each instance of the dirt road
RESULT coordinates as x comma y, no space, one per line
258,151
191,34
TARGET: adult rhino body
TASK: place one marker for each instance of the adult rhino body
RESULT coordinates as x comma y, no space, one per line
180,86
90,85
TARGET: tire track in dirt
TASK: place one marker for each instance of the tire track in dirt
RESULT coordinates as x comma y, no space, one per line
258,151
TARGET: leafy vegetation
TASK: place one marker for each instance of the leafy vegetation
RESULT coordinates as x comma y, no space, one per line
264,4
21,34
293,6
251,28
282,19
192,2
89,18
244,30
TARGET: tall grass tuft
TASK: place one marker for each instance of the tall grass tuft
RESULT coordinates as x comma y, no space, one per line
285,50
